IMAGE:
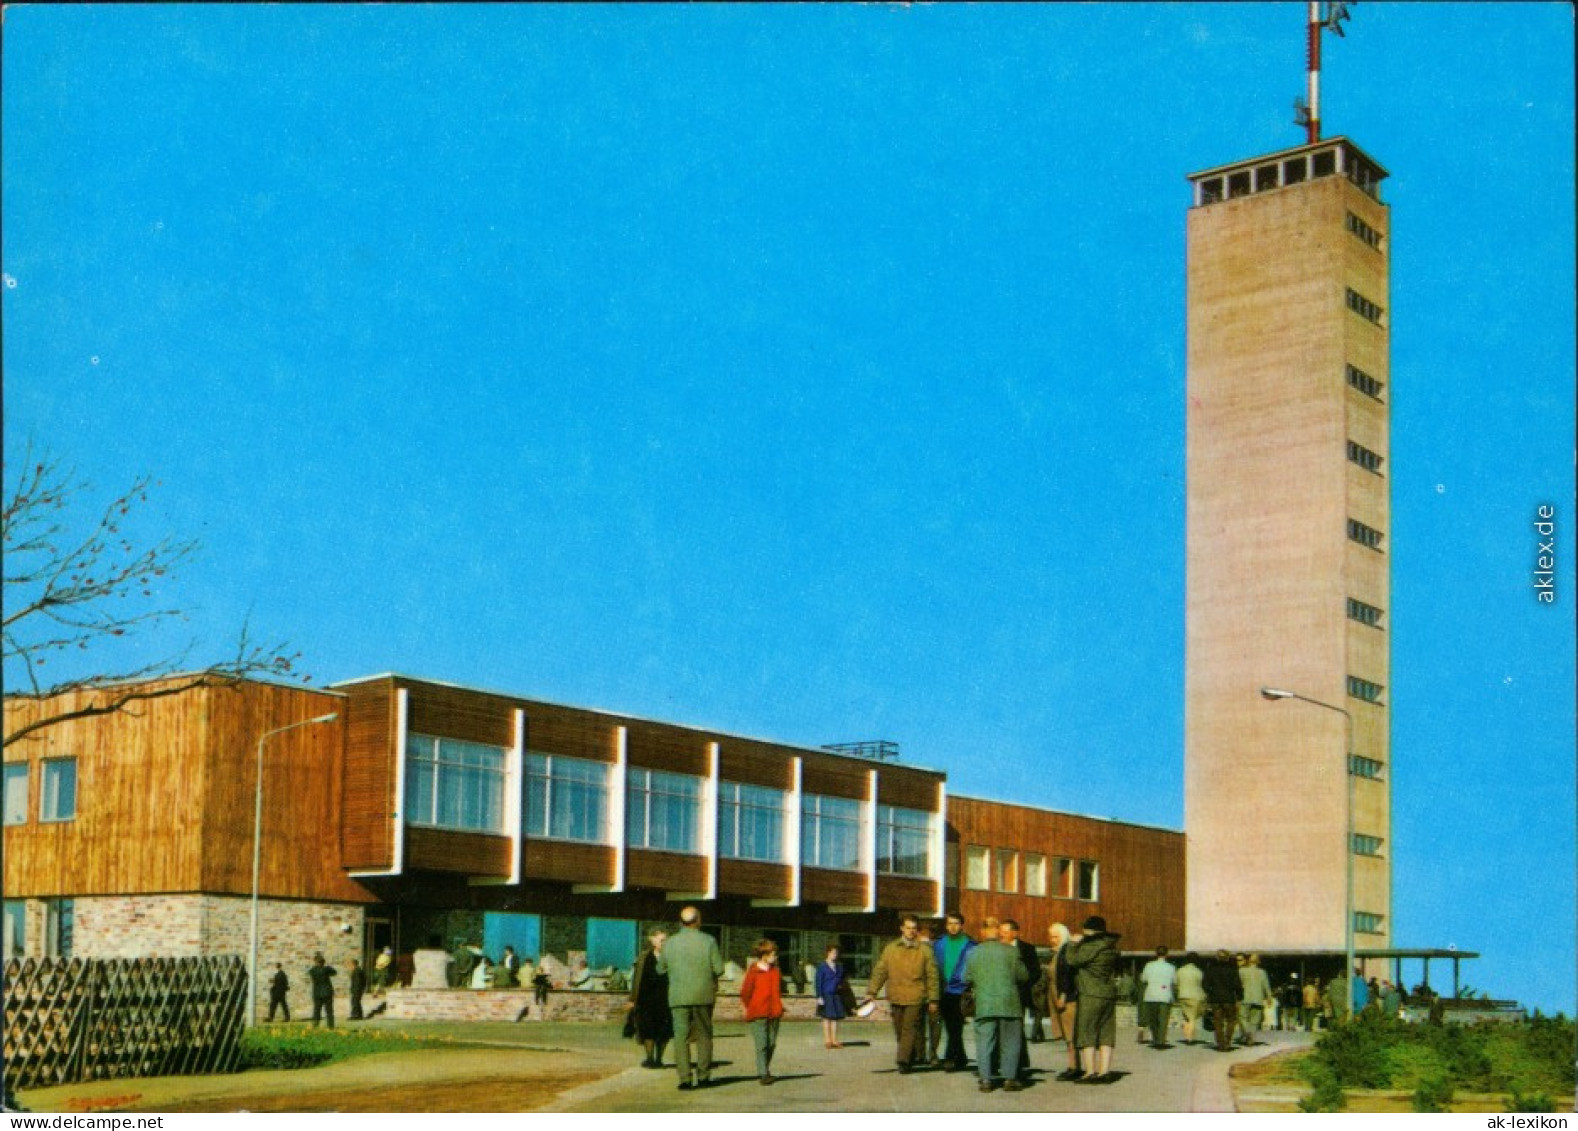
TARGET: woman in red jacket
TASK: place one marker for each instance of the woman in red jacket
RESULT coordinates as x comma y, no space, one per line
762,993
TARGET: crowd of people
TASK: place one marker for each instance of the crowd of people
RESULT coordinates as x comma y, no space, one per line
993,983
934,988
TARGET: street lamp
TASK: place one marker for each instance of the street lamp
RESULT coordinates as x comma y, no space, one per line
257,859
1276,693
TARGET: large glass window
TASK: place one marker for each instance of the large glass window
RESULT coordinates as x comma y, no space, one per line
903,841
830,832
750,822
16,793
453,784
566,798
858,954
663,811
611,943
58,801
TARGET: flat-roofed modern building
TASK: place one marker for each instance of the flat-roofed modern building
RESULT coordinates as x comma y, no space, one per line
424,812
1288,546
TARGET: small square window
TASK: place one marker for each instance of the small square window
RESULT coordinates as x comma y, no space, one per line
59,799
977,867
1089,880
1035,874
16,793
1063,878
1007,870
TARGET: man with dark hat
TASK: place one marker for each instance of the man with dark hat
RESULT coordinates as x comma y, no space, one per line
321,976
1093,957
1223,991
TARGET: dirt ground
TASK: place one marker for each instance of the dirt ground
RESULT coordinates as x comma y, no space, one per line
426,1080
495,1094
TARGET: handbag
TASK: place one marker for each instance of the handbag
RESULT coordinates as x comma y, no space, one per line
629,1030
967,1003
846,995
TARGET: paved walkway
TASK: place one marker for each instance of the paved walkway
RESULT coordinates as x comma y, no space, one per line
857,1078
861,1078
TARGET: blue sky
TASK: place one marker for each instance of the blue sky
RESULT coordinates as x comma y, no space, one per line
813,373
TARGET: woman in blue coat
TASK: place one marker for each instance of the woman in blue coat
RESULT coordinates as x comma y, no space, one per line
829,1003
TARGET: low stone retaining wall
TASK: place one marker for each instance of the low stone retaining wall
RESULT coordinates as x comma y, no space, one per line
580,1005
563,1005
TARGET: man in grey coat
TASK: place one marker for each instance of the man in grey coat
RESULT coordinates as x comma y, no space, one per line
693,963
995,972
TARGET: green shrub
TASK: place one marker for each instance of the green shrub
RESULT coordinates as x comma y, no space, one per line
1434,1094
1539,1101
1356,1051
1325,1091
1463,1054
1532,1060
1410,1063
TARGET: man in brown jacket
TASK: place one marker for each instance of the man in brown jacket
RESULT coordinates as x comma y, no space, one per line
909,971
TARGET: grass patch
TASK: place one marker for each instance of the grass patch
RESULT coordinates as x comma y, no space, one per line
270,1046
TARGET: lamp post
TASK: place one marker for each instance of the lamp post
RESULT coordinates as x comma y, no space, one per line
257,859
1277,693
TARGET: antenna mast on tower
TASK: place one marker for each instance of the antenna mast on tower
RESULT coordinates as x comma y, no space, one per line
1325,15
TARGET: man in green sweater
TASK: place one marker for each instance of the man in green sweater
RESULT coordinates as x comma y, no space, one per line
995,972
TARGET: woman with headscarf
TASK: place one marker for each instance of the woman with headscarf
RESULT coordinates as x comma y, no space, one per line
654,1024
1063,997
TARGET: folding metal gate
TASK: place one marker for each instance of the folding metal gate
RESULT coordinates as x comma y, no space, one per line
68,1020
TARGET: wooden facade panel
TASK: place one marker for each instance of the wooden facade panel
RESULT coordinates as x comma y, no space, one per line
836,778
453,712
573,733
137,826
448,850
1140,872
753,878
753,764
822,885
569,862
368,790
657,746
902,893
302,793
669,871
910,790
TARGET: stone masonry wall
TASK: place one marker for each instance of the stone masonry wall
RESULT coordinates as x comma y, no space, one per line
138,926
580,1005
289,933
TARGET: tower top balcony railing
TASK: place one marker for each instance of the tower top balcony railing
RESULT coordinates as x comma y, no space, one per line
1332,157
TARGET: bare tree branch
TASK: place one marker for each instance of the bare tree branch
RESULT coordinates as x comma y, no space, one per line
72,587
